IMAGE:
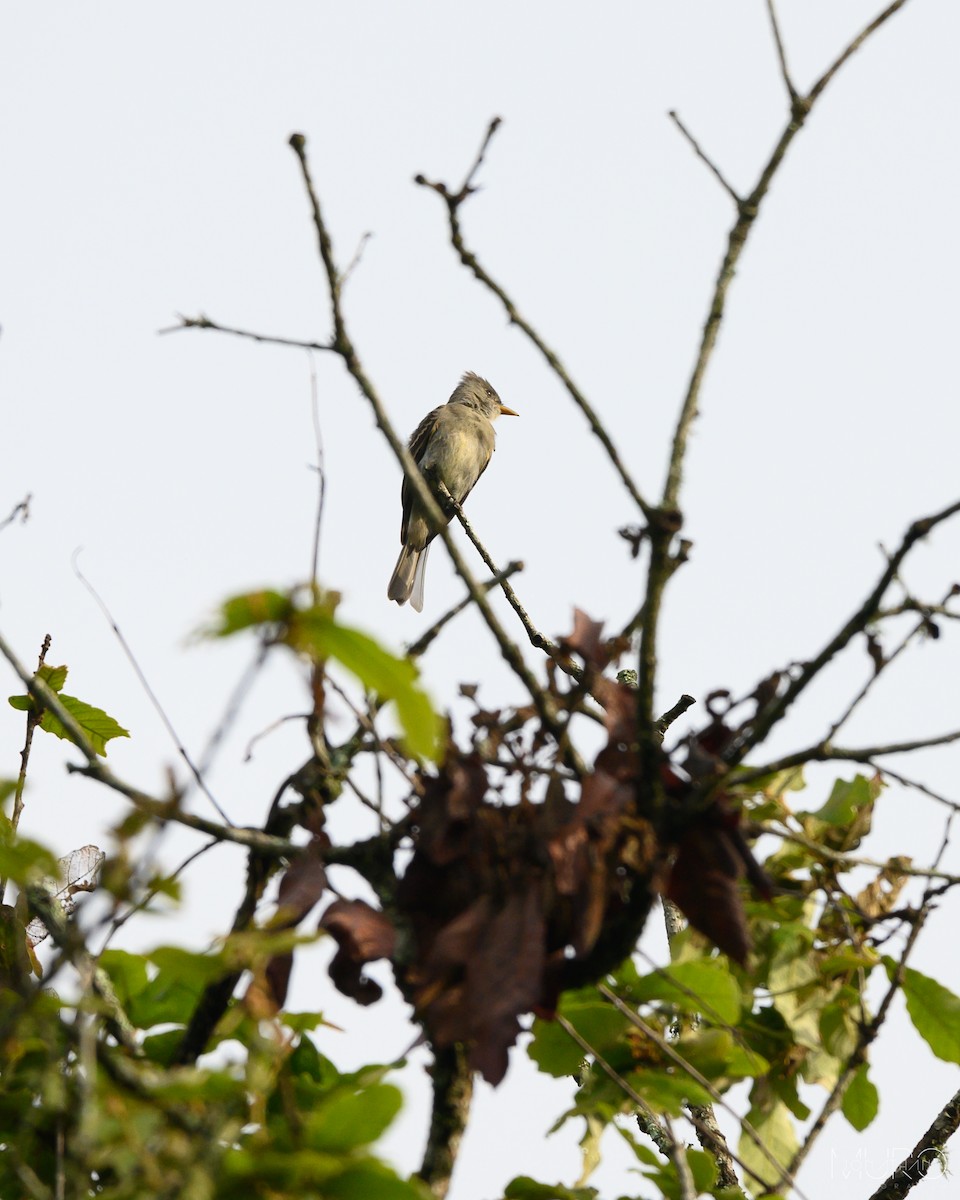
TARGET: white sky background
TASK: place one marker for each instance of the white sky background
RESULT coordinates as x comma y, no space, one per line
147,172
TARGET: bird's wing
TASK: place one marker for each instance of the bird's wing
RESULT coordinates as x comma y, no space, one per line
418,444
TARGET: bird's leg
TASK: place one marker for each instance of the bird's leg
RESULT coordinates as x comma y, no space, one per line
450,507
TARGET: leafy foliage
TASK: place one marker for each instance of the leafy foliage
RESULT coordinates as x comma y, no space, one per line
97,725
311,629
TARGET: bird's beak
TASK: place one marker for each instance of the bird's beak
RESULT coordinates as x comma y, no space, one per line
507,412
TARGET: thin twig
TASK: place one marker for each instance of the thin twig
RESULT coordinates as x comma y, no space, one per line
119,921
665,1048
151,694
203,322
825,752
866,1036
844,861
774,712
536,638
34,715
321,477
355,261
781,54
705,158
453,201
21,510
159,810
232,709
681,706
686,1188
921,626
667,520
852,48
420,646
922,788
651,1125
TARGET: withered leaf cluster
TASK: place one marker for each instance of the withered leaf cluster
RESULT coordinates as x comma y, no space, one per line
503,905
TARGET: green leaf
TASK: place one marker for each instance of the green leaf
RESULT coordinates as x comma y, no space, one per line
845,800
776,1131
705,987
302,1022
599,1024
525,1188
95,723
53,677
312,630
839,1031
301,1169
716,1054
7,789
666,1092
861,1101
127,972
703,1168
22,860
370,1179
645,1155
351,1119
161,1047
381,672
934,1011
265,607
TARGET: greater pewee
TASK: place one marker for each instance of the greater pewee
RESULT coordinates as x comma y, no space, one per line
453,444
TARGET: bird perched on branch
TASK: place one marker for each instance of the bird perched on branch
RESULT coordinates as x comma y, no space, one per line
452,445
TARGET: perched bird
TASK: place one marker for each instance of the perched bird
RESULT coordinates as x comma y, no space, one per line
454,443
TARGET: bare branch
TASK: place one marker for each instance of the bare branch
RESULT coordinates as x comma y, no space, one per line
203,322
678,710
420,646
453,201
321,478
151,694
537,639
665,526
852,48
686,1188
33,720
718,174
781,53
774,712
711,1138
452,1095
825,752
21,510
355,261
160,810
927,1151
843,860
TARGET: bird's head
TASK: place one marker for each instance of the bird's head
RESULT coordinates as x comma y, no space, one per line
477,393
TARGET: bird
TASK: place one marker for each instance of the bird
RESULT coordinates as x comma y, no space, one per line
452,444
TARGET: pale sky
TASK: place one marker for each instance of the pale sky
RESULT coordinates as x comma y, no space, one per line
147,173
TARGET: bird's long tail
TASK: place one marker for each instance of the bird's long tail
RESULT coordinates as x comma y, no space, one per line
406,582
